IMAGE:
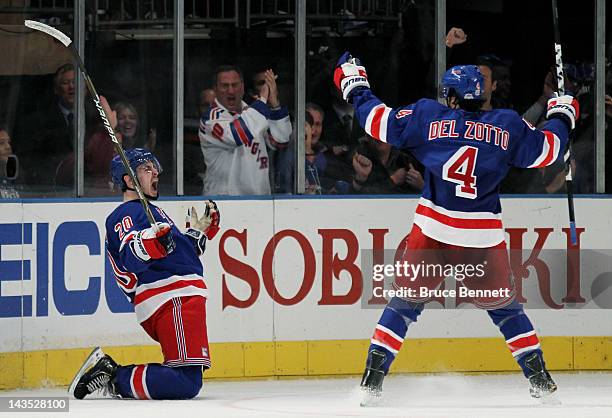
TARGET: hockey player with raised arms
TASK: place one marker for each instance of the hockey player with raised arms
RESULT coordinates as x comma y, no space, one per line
158,269
466,153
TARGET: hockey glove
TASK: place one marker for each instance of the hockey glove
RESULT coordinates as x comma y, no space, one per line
349,75
153,243
205,227
565,108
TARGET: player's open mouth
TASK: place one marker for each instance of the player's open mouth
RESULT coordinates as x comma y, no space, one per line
154,185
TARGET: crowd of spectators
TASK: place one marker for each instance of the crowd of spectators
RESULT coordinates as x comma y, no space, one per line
245,140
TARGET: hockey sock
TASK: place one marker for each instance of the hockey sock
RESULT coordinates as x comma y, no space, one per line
392,327
156,381
518,332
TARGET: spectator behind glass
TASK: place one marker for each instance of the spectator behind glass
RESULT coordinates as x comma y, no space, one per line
99,152
378,168
46,138
8,166
194,167
582,76
551,179
234,136
258,81
495,71
490,84
340,134
128,125
315,161
206,101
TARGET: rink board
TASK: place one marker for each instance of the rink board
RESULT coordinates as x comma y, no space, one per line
282,276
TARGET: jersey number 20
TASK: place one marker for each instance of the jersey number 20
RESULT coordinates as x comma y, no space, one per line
124,226
459,169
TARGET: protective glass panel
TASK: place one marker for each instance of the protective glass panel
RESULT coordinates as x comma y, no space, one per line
129,57
393,40
232,139
517,49
37,107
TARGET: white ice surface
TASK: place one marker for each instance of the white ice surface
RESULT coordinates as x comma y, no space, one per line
582,395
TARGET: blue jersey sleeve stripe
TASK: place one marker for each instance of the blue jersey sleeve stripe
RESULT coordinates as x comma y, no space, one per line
246,130
279,114
261,107
241,133
235,134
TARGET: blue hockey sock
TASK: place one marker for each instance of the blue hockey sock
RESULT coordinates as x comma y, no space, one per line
392,327
518,332
156,381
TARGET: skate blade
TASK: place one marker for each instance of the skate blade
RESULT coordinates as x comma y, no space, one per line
369,398
550,399
93,358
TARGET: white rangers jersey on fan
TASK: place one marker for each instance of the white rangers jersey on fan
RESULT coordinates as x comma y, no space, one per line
234,147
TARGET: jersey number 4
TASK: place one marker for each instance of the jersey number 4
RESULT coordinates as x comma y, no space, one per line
459,169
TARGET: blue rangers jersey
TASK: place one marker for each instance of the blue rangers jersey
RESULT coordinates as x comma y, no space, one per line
150,284
466,155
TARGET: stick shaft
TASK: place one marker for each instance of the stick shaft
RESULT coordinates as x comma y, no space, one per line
113,135
558,51
96,98
569,184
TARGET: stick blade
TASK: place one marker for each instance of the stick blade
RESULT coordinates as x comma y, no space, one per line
33,24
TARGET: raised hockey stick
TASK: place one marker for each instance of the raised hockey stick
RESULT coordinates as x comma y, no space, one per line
96,98
568,153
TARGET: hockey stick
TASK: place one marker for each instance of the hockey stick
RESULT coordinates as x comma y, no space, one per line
94,94
568,153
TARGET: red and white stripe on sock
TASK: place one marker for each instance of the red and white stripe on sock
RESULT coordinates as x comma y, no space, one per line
387,339
523,343
138,382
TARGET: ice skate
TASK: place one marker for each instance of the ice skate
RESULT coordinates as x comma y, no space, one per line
97,373
542,387
372,380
